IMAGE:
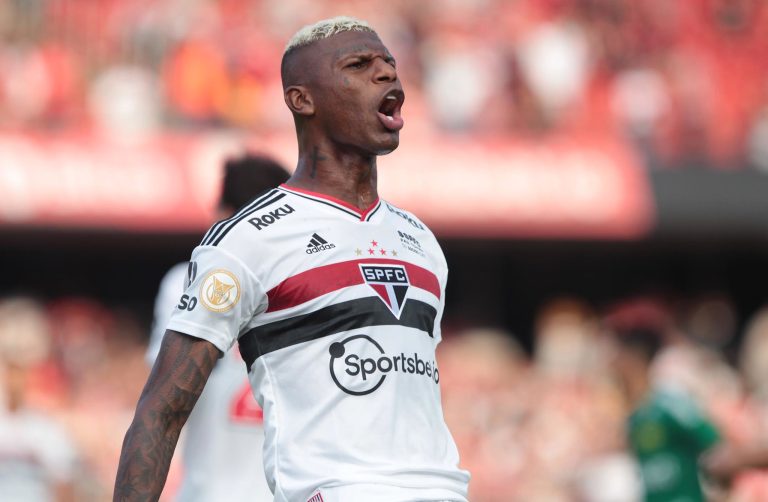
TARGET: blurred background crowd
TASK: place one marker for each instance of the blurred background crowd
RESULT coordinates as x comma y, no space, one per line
529,390
549,425
685,82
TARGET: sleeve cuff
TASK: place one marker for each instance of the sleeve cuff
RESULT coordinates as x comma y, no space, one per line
220,340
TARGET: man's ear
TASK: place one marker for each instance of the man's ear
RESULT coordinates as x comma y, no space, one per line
299,100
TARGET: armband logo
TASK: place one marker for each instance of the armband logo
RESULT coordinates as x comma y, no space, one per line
220,291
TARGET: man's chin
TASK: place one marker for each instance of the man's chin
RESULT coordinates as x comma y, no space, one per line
390,145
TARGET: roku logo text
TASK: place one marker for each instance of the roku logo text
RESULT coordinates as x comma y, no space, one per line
266,220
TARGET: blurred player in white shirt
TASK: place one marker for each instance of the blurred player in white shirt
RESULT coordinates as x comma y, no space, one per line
37,457
224,434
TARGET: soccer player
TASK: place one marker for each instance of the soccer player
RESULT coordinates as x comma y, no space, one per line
334,298
224,434
38,459
667,432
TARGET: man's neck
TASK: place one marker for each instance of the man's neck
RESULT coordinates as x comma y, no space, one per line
346,176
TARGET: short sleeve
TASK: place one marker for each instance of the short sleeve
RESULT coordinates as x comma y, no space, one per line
171,288
221,297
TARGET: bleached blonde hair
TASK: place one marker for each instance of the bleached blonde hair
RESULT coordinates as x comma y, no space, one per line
324,29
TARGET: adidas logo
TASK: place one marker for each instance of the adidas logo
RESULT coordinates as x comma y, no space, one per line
317,244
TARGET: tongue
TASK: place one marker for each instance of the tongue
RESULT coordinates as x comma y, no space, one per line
393,122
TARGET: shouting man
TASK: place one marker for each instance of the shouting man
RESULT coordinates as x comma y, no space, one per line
334,298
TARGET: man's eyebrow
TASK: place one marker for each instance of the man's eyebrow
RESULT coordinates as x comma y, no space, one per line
361,50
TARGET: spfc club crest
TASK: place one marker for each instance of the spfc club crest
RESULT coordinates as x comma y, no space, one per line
390,282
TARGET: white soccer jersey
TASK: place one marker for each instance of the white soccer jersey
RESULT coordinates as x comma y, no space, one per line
224,436
337,314
36,454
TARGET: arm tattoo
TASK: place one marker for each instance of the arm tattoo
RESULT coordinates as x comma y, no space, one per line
176,381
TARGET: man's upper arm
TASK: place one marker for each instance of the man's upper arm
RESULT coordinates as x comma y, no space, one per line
221,298
181,369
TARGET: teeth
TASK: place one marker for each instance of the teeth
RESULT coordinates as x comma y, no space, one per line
392,98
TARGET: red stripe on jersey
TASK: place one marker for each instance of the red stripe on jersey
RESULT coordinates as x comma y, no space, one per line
340,202
381,290
316,282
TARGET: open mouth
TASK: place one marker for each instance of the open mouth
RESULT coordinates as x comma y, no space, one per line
389,110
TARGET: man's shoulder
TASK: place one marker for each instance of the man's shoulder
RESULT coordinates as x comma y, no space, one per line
250,223
413,231
408,216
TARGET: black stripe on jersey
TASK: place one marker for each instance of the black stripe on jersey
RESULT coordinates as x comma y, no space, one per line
216,228
216,240
370,215
353,314
245,215
326,203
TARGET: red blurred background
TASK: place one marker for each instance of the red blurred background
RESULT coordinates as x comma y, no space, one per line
569,155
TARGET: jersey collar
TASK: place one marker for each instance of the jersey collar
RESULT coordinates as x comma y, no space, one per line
345,207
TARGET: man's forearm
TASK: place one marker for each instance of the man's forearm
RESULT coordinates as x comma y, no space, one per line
147,451
177,379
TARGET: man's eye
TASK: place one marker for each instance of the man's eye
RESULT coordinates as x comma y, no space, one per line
357,64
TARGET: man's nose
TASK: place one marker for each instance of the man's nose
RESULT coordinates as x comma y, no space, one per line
385,72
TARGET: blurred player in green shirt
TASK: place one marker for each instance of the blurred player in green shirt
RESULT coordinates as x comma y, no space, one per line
667,432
